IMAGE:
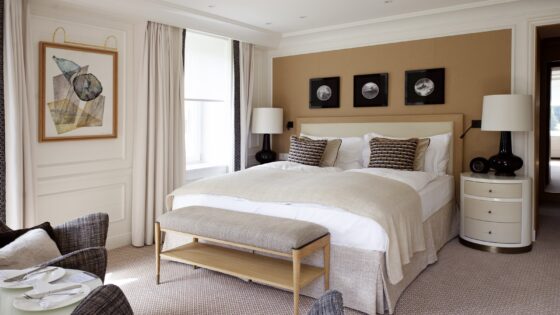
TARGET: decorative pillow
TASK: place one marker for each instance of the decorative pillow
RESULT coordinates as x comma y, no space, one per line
350,152
437,154
32,248
419,160
8,237
331,152
393,153
306,151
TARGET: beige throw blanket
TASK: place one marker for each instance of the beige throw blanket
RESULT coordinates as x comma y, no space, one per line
393,205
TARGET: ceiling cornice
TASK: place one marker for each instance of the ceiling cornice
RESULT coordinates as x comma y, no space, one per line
397,17
165,12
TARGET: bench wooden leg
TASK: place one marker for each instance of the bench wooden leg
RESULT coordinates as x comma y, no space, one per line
157,232
327,264
195,240
297,276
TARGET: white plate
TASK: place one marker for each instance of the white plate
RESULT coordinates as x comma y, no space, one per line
56,274
34,305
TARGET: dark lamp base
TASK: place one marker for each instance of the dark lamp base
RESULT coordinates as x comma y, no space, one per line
505,164
265,156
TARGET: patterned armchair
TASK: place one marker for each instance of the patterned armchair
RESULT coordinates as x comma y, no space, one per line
328,304
104,300
81,243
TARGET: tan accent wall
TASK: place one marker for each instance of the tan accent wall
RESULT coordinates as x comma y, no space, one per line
475,65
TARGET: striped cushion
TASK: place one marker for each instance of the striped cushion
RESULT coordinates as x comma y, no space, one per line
393,153
306,151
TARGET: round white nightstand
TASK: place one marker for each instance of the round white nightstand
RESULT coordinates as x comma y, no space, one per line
496,213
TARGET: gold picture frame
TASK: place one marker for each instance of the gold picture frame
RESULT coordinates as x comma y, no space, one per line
78,92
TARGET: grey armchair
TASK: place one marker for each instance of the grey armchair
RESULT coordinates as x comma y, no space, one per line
329,304
104,300
81,243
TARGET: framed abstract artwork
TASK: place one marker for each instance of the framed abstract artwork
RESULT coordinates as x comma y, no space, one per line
370,90
423,87
78,92
324,92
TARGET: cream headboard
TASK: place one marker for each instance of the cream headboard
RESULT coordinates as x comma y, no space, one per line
392,126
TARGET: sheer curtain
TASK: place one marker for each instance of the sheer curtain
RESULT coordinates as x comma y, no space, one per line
159,146
19,164
243,62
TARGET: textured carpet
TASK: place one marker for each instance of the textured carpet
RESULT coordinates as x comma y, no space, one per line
463,281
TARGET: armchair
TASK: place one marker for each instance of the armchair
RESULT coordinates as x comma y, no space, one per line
81,243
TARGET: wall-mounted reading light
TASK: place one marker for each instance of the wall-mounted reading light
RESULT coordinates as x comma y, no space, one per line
474,124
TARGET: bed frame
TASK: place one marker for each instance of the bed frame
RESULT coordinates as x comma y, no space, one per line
361,275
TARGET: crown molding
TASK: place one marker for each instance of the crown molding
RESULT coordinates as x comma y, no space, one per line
397,17
135,11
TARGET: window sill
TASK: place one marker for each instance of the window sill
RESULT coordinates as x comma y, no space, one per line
202,170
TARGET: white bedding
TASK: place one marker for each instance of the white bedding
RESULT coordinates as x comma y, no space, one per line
347,229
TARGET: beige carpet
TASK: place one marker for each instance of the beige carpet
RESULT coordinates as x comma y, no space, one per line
463,281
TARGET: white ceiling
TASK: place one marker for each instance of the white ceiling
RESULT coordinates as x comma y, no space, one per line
292,16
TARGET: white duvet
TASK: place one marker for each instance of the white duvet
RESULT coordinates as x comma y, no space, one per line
347,229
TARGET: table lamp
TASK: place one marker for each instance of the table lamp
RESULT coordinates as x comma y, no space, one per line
266,121
506,113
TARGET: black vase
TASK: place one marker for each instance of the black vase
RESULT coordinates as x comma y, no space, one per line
505,163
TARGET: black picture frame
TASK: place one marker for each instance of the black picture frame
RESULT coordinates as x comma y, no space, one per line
371,90
324,92
425,87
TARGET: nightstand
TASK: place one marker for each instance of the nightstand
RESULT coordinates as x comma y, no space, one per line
496,213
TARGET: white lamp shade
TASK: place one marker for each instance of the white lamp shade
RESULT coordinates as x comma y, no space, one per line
507,112
268,120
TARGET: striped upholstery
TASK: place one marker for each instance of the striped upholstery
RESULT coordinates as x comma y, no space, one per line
104,300
330,303
306,151
393,153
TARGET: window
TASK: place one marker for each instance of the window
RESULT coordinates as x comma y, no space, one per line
555,101
208,107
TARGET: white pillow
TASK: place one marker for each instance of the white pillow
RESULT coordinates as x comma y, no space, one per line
435,159
350,152
30,249
437,154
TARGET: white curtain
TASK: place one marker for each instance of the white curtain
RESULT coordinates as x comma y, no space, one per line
247,78
159,147
19,165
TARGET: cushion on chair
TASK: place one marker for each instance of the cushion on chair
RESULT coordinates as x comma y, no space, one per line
277,234
30,249
9,236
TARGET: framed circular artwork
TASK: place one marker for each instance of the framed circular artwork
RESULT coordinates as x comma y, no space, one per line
370,90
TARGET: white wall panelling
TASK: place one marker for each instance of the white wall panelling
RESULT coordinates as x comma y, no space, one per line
74,178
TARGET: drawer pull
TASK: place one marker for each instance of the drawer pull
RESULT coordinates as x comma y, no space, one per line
490,190
489,211
489,232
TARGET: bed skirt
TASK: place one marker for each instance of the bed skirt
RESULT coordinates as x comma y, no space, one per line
361,277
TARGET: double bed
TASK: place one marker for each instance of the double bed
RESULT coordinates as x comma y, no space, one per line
374,257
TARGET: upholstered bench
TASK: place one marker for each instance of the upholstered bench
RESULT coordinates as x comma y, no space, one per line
258,233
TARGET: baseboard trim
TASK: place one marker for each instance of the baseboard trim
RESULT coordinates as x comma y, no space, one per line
119,241
497,250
